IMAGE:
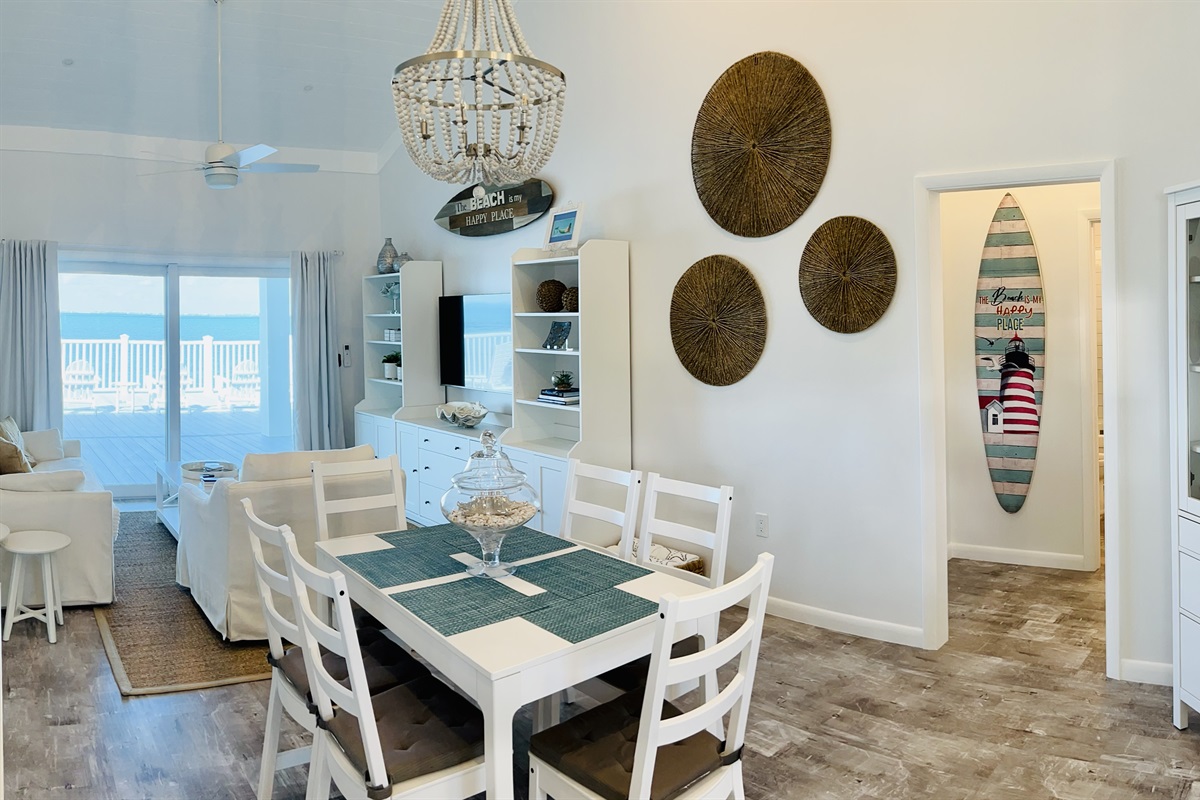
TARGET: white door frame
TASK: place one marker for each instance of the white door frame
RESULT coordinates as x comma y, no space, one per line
932,385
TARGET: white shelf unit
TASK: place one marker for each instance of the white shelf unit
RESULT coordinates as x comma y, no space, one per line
1183,219
419,383
598,429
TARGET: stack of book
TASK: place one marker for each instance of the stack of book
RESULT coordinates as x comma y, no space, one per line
560,397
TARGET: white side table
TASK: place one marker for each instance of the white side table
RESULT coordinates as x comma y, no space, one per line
22,546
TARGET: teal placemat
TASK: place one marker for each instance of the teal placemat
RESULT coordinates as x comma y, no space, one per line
580,573
458,606
423,540
526,543
579,618
393,566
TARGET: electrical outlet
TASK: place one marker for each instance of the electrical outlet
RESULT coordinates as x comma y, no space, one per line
760,525
345,355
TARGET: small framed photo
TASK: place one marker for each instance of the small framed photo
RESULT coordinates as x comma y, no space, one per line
562,232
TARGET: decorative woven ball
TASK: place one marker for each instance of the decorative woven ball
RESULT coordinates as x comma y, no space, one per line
570,299
550,295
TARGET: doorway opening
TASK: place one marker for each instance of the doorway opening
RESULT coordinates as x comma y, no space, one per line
167,363
1072,416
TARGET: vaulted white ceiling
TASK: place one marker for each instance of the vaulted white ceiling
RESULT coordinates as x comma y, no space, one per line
148,67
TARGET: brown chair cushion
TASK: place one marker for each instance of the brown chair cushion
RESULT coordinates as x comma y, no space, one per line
632,676
13,458
424,726
386,664
597,747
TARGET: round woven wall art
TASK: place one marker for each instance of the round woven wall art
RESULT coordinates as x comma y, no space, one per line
761,144
847,274
718,320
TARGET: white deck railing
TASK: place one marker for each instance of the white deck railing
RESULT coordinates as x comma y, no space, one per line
488,360
121,363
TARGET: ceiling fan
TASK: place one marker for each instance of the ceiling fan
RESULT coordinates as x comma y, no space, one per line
223,165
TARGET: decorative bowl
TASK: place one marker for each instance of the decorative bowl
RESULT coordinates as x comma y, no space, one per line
464,415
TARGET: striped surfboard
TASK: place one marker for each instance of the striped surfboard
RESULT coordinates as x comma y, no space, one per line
1010,349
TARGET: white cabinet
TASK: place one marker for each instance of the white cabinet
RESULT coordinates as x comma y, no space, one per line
403,321
598,429
377,431
546,474
1183,215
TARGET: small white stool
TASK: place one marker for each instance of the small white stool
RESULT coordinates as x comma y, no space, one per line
23,545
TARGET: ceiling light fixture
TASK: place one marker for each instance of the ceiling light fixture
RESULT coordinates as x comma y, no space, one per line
477,106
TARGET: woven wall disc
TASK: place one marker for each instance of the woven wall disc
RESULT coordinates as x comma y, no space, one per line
718,320
761,144
847,274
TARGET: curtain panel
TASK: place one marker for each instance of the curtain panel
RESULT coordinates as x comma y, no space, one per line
30,352
318,390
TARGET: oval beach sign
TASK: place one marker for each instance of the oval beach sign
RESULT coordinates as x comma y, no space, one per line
1010,349
483,210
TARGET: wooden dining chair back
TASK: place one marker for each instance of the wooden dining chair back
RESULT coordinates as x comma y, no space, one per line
388,469
419,738
281,631
625,486
586,756
656,525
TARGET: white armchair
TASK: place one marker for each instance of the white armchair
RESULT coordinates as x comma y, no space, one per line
214,559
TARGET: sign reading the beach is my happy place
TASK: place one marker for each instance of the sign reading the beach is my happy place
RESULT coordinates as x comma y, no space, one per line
483,210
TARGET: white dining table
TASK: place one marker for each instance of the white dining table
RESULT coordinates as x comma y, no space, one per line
507,664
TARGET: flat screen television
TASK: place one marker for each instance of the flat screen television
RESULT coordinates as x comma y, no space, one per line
475,341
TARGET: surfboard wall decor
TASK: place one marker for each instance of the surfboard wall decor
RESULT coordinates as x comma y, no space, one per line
1010,349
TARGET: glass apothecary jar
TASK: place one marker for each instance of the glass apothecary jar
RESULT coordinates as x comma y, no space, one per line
487,500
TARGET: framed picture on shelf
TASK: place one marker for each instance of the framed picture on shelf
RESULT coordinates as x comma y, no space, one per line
562,231
557,338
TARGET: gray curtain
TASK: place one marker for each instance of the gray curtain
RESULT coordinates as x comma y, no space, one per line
318,389
30,356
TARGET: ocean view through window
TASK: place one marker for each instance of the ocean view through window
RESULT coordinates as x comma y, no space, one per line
225,392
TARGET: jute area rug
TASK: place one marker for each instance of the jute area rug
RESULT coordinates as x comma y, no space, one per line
157,639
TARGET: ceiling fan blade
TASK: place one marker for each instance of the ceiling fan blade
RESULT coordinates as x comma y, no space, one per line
170,171
249,155
163,157
273,167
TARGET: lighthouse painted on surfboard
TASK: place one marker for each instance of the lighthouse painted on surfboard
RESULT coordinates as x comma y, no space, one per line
1010,347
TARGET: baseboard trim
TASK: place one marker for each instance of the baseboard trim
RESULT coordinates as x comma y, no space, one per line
1158,673
847,623
1010,555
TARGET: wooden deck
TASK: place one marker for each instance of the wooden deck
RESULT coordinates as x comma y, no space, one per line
124,447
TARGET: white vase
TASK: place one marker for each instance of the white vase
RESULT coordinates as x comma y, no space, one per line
391,372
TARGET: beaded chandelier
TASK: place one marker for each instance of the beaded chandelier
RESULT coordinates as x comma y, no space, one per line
477,107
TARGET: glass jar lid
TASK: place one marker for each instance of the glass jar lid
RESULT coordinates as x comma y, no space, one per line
489,469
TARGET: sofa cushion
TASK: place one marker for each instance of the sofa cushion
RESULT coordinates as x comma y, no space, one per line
66,480
44,445
13,458
91,483
285,466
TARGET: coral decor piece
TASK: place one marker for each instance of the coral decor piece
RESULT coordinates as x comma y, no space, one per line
848,274
761,144
718,320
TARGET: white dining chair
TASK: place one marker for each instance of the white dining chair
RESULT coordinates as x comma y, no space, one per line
418,739
591,480
588,755
325,475
291,678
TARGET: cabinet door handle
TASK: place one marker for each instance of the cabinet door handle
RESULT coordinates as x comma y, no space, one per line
456,447
427,469
426,441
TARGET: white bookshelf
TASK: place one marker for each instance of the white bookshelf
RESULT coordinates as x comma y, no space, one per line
598,429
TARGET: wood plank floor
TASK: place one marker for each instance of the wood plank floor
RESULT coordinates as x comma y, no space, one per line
1014,706
124,448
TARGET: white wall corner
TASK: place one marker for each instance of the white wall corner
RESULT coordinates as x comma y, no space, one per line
847,623
1158,673
393,145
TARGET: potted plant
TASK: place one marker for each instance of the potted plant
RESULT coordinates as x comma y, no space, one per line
391,365
562,379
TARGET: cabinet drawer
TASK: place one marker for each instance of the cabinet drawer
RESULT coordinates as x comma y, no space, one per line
430,505
1189,655
445,443
1189,584
437,469
1189,535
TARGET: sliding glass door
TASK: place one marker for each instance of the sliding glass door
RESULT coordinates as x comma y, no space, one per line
173,363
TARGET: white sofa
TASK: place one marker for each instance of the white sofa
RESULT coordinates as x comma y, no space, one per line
63,494
214,558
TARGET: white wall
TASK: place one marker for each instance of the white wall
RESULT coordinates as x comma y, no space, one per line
822,435
1053,522
101,202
